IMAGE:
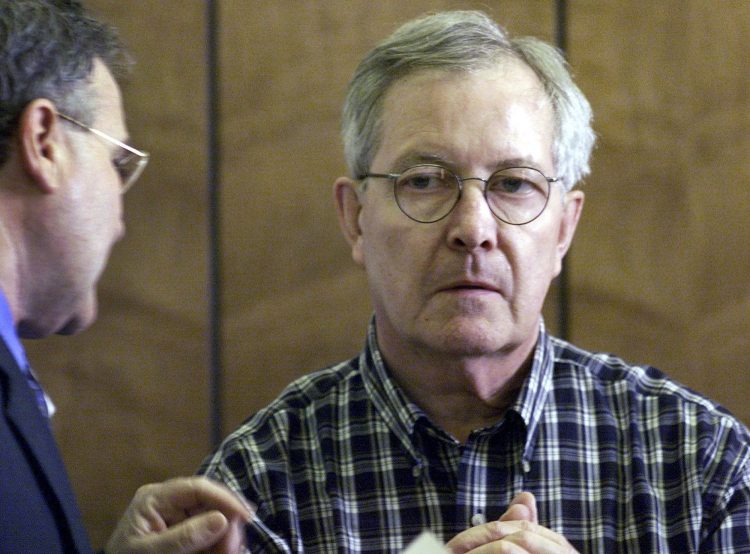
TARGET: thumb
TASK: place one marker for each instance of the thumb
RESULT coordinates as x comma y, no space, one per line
522,507
194,534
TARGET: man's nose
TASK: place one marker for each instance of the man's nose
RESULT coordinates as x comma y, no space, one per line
472,223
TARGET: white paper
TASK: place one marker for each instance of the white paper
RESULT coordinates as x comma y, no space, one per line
426,543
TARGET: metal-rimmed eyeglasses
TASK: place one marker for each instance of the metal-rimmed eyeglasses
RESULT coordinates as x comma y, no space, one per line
427,193
129,166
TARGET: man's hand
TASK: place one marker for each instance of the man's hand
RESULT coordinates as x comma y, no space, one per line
181,516
516,531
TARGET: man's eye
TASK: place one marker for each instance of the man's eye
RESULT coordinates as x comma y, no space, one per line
424,180
121,166
513,185
421,182
510,184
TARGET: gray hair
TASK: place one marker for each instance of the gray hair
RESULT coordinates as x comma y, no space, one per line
47,50
463,41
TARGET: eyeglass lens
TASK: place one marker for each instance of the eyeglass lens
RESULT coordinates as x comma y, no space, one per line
130,168
428,193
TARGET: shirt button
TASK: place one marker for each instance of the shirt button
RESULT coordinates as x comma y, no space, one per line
416,470
478,519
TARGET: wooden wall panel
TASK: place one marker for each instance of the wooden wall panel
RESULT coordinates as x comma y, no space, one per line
132,391
294,300
660,265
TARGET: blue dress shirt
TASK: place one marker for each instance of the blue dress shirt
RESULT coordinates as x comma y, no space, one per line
9,335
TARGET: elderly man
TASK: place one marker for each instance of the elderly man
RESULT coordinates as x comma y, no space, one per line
64,165
462,415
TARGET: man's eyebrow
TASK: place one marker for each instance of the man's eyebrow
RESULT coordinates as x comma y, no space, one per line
416,158
430,157
517,162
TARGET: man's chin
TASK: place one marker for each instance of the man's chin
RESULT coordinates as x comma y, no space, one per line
79,322
70,328
41,326
74,326
477,336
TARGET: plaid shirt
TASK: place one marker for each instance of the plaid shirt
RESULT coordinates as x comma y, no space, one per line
620,459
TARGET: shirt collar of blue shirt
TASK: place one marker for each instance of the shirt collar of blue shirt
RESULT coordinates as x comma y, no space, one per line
8,332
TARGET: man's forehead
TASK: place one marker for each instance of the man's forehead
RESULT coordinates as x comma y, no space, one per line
506,73
425,109
108,101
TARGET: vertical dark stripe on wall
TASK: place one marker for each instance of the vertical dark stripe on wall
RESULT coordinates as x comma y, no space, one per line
214,223
563,297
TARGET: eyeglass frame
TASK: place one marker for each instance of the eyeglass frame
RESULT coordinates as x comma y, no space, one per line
142,157
460,181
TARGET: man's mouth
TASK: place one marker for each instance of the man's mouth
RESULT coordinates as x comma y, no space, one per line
471,285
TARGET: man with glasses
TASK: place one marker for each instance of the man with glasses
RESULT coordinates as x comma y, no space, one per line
462,415
64,166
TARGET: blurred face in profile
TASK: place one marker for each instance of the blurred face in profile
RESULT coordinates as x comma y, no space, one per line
82,216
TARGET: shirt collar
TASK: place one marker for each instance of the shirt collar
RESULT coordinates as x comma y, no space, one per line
534,392
9,335
8,332
399,411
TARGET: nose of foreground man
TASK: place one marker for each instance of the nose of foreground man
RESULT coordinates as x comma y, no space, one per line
472,224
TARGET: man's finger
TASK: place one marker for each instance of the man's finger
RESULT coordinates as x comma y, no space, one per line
198,494
522,507
519,532
234,539
192,535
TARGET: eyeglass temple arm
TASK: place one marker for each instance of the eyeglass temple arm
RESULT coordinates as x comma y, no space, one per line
379,175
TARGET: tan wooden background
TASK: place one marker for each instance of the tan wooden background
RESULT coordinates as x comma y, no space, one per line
660,270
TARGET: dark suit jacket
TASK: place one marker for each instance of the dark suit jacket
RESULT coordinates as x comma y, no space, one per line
38,511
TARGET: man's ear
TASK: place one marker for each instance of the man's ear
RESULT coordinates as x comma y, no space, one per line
41,144
571,214
348,208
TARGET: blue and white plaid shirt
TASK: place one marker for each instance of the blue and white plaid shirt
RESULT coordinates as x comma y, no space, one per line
620,459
